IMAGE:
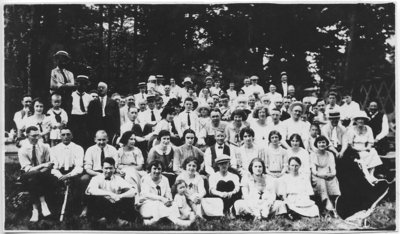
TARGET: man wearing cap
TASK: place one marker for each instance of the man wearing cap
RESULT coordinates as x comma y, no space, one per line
141,96
254,88
104,113
282,87
78,115
187,82
334,131
60,76
209,85
150,117
295,124
151,85
159,86
245,88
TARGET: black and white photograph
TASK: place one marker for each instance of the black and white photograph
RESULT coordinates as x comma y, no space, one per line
199,117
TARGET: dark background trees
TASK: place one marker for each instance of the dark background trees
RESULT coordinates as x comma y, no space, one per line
124,44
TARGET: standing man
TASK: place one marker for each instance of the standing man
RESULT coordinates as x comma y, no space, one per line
61,79
282,87
34,158
141,96
255,89
78,123
348,109
21,115
334,131
104,113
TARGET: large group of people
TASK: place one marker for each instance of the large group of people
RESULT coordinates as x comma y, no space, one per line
171,152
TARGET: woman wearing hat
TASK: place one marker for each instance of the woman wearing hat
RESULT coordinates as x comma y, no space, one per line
361,138
233,129
323,170
224,184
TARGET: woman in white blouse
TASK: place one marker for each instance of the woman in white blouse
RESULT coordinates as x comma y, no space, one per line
297,150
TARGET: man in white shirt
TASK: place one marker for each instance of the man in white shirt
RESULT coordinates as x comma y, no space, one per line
295,124
130,101
275,124
272,94
232,93
175,89
216,89
334,131
21,115
245,88
348,109
167,94
92,161
34,158
332,102
255,89
282,87
60,77
78,118
141,96
151,115
187,118
68,164
209,82
322,115
111,197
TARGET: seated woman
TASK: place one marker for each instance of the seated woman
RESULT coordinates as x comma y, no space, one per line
297,150
163,152
186,150
155,201
196,190
361,138
275,158
224,184
130,160
357,194
245,153
324,175
259,195
296,192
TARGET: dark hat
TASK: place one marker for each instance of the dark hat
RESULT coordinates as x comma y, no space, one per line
333,115
151,98
62,53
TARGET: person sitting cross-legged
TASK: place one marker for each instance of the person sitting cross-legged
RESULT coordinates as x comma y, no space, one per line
110,196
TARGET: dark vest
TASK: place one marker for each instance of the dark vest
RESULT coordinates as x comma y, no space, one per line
226,150
375,123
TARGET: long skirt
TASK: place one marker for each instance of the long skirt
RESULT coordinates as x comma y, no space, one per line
302,205
259,208
370,159
156,210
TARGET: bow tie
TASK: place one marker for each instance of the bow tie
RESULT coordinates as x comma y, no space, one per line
109,178
220,147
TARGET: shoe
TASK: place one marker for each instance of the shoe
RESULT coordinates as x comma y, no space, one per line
45,210
35,216
148,222
84,212
122,222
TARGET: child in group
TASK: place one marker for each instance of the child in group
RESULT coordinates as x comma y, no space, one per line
315,131
58,119
180,200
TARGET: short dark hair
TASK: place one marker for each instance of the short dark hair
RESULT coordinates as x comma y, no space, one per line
187,131
247,130
274,132
321,138
224,95
255,113
26,95
30,129
108,160
132,106
125,137
190,159
298,137
256,160
168,110
216,110
155,163
188,99
163,133
297,159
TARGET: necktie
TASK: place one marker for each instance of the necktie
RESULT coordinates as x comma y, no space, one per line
34,158
64,76
188,120
153,117
173,128
261,193
102,156
158,190
81,105
40,127
57,116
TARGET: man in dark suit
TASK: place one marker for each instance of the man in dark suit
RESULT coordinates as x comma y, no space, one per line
282,86
103,113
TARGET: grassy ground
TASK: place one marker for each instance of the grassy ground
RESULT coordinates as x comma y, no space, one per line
18,214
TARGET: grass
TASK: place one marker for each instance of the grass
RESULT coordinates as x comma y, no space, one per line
18,213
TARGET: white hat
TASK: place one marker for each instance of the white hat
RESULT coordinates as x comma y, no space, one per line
254,78
187,79
361,115
223,158
152,78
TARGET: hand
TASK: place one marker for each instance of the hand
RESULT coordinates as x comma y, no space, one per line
122,174
196,200
229,194
65,177
168,203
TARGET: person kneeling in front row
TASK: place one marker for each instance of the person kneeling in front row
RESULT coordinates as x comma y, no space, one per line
111,197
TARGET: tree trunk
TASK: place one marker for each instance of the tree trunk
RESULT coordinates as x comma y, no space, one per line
109,42
349,50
